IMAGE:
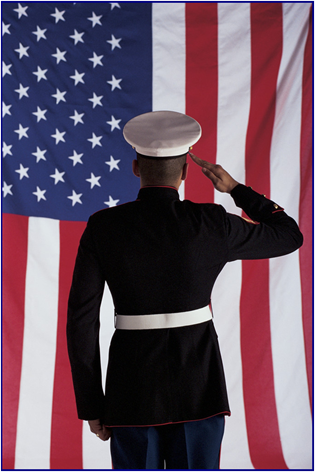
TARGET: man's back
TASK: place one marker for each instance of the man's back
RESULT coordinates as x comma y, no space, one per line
161,255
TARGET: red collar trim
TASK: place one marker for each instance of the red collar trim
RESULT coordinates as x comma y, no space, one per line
159,186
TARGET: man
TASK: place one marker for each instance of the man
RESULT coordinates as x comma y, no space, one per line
165,396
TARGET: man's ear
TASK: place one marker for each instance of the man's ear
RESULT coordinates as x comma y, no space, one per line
135,168
185,171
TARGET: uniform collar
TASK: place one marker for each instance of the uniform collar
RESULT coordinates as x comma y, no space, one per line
158,192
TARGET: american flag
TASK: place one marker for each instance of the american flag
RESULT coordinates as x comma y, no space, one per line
72,75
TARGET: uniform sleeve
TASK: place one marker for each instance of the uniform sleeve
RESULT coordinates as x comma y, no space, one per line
83,329
272,232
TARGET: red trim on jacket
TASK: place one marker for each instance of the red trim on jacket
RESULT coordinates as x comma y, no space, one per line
159,186
228,413
281,209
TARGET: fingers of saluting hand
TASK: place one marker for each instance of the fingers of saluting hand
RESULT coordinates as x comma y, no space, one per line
212,171
100,430
221,180
200,162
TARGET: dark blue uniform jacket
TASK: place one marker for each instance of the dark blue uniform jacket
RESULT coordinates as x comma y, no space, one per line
162,255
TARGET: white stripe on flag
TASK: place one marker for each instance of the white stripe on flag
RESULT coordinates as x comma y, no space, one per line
169,59
168,43
39,345
96,453
233,111
234,85
291,387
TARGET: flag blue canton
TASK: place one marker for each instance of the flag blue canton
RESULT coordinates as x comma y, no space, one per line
73,75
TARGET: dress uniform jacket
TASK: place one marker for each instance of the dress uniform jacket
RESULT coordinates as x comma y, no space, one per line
162,255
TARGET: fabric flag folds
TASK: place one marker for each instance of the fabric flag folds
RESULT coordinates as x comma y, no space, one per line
72,75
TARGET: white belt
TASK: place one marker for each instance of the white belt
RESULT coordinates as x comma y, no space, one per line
165,320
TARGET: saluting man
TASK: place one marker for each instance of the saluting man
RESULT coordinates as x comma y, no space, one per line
165,396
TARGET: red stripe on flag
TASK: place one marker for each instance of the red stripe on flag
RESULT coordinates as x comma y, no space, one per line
306,205
258,382
202,91
66,433
14,247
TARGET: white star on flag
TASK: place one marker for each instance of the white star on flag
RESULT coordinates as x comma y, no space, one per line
6,69
77,117
97,60
39,154
40,73
21,10
59,96
22,91
77,77
6,149
60,55
58,15
114,123
40,114
114,83
6,189
22,132
111,202
59,136
95,140
113,164
23,171
40,194
40,33
94,180
75,197
96,100
22,51
113,5
77,37
5,29
57,176
95,19
76,158
114,42
5,109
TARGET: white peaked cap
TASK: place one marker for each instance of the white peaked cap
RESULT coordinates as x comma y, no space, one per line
162,133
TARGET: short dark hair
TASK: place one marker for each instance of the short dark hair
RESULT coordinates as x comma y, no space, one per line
161,170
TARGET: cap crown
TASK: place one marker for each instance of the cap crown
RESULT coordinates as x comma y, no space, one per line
162,133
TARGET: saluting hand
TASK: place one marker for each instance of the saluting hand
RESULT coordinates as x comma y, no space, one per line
100,430
221,180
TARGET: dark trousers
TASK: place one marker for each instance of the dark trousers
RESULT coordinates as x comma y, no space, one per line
192,445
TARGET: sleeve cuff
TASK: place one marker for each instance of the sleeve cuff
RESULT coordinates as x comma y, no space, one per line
256,206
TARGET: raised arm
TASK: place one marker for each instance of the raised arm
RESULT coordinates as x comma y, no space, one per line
276,234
